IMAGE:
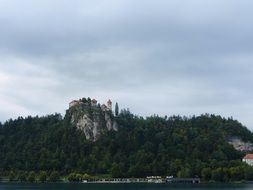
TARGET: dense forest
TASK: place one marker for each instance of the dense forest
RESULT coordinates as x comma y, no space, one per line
50,147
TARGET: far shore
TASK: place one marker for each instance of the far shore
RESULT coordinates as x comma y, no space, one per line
130,181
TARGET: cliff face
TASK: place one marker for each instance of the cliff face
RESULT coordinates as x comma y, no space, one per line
92,119
240,145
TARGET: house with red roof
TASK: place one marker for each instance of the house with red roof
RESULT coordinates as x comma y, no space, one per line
248,159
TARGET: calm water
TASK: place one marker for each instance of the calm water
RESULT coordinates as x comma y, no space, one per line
13,186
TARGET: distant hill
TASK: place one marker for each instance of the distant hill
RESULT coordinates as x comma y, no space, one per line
91,139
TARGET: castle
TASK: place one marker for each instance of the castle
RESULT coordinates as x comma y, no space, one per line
93,103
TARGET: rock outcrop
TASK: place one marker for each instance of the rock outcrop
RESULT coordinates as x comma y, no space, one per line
240,145
91,118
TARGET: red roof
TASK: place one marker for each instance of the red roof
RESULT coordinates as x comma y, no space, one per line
248,156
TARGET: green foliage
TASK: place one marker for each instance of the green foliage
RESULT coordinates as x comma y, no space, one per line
54,176
236,173
75,177
31,177
22,176
206,174
117,170
184,172
12,176
42,177
248,173
86,177
116,109
177,146
217,174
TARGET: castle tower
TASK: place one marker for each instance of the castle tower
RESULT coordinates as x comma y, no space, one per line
109,104
74,103
93,102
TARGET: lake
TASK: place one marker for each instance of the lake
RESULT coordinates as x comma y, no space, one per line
69,186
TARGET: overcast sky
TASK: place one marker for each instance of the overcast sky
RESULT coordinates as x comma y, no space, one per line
153,56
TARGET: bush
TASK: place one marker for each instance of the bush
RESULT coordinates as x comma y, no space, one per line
12,176
42,177
86,177
31,177
22,176
236,173
75,177
248,173
217,174
206,174
54,176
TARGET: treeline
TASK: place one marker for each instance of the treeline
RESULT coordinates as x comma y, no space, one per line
25,176
178,146
228,174
44,176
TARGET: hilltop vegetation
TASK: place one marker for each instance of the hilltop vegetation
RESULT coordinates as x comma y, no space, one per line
178,146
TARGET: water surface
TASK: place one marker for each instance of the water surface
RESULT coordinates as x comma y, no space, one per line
72,186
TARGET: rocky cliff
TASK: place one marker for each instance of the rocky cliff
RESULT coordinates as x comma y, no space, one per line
91,118
240,145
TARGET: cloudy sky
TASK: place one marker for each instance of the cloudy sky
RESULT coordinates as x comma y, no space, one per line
153,56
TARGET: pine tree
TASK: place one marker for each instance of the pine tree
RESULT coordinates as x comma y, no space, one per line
116,109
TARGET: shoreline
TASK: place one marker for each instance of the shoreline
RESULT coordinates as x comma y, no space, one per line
127,182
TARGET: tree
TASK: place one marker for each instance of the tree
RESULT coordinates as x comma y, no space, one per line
248,173
42,177
11,176
116,109
54,176
140,147
117,170
71,177
206,174
86,177
184,172
22,176
236,173
31,177
217,174
75,177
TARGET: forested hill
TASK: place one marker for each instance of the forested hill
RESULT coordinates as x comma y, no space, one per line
179,146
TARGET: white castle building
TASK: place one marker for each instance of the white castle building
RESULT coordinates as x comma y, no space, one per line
94,102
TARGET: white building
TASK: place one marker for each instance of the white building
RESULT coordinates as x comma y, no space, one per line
109,104
248,159
94,102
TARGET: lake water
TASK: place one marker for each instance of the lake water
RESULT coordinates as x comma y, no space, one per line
54,186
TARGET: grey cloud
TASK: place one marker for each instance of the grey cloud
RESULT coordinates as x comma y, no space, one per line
165,57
